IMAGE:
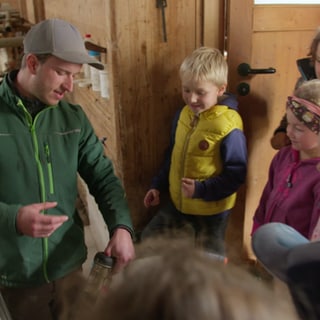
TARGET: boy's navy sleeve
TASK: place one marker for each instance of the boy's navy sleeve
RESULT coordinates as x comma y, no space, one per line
234,157
230,100
161,180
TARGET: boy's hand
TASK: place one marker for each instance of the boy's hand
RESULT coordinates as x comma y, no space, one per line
187,187
152,198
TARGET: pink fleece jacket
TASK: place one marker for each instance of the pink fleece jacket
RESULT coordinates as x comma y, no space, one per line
292,193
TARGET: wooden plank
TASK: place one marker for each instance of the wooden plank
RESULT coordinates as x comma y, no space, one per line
89,16
39,12
144,82
285,18
238,28
213,29
22,7
95,108
148,86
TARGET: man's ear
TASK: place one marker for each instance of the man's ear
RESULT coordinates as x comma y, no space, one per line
32,63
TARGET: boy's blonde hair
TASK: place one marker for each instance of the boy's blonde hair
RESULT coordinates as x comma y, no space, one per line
206,64
309,90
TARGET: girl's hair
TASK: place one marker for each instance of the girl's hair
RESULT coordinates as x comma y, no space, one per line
309,90
314,45
206,64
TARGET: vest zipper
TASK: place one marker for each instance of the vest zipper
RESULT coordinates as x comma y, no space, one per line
193,125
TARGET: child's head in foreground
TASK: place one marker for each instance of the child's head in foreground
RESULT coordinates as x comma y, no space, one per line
182,283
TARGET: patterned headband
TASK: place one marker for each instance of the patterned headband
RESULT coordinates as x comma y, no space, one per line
306,111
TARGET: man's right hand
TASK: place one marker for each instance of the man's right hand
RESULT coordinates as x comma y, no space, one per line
31,222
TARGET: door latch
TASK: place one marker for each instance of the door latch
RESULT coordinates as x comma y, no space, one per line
244,69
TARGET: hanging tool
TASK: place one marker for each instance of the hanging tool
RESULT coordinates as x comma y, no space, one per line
162,4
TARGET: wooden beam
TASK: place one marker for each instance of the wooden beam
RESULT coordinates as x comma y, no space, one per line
39,11
213,28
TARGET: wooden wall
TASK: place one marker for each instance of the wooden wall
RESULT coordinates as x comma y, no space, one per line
144,83
143,74
273,36
12,3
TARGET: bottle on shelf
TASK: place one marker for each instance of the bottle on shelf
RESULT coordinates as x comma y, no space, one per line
94,72
104,83
86,67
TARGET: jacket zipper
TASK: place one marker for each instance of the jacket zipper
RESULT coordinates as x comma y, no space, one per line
43,197
31,124
49,167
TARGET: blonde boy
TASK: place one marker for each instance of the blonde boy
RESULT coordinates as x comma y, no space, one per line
207,158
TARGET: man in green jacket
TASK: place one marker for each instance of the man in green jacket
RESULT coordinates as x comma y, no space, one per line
44,142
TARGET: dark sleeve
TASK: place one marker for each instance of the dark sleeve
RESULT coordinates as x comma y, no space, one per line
283,123
230,100
282,126
104,185
161,180
234,157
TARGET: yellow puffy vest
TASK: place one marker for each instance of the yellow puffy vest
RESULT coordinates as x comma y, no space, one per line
196,155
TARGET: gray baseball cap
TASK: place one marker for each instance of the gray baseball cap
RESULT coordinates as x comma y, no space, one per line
61,39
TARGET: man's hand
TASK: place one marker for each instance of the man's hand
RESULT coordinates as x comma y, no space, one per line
31,222
121,247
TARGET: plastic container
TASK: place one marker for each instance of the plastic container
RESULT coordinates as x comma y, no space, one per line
94,72
86,67
99,276
104,83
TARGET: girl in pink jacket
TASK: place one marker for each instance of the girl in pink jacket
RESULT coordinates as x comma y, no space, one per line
292,193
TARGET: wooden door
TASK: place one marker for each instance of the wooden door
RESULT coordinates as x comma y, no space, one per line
263,36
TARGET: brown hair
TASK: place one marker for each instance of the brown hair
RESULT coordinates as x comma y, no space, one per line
186,284
309,90
314,45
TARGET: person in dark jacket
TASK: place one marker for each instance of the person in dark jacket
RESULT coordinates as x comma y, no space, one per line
45,142
175,282
292,193
206,161
309,69
293,259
